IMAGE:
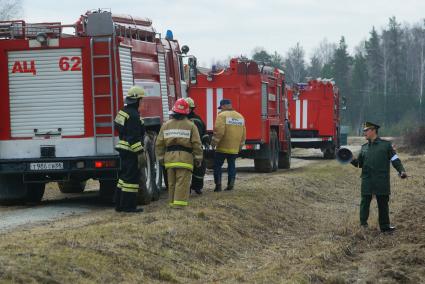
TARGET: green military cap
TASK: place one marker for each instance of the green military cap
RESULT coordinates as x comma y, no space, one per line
367,125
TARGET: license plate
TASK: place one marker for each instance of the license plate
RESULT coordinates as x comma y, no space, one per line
46,166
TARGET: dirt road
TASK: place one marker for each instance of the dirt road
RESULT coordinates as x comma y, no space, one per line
296,226
57,205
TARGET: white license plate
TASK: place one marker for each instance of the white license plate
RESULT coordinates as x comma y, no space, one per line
46,166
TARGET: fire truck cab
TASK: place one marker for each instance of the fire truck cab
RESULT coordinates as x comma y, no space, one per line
60,94
258,93
314,116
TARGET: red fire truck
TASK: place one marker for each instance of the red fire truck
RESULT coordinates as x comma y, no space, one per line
314,116
258,93
61,92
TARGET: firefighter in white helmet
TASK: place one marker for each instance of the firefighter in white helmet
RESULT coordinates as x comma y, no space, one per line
198,172
178,147
131,132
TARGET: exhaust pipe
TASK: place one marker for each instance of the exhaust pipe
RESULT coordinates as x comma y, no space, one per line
344,155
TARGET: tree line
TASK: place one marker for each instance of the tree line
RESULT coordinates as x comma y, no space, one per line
382,81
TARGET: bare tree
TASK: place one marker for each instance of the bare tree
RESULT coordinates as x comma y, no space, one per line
325,51
10,9
295,65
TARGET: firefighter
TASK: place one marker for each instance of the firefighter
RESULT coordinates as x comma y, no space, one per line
374,158
228,139
198,172
131,132
178,148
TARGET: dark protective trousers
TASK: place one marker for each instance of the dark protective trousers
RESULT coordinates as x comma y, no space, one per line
383,210
128,184
198,176
231,166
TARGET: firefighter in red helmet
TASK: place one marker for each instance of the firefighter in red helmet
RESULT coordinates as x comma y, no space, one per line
131,132
178,147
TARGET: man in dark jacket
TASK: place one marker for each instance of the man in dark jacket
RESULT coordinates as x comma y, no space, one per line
198,172
131,132
374,158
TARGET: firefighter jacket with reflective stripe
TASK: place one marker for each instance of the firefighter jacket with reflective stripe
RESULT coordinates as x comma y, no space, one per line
131,129
178,144
229,132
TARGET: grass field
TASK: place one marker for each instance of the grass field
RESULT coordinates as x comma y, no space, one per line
297,226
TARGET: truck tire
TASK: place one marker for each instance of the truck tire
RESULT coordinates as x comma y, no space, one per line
107,190
35,192
329,153
148,188
72,186
158,173
267,165
285,157
12,189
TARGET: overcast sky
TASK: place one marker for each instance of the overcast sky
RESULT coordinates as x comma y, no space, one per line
215,29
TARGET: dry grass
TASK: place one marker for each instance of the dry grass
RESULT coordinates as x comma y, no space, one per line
288,227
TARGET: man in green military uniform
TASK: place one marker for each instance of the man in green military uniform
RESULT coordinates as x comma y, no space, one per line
374,159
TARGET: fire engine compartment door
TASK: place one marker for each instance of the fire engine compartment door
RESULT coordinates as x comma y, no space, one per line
46,92
126,69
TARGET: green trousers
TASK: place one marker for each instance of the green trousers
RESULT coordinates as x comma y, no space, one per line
383,210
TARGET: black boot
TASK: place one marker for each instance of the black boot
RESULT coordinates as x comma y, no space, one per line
230,185
217,188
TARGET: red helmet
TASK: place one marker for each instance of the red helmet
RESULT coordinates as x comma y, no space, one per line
181,106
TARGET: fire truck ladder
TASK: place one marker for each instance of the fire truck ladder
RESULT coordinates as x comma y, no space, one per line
163,85
109,97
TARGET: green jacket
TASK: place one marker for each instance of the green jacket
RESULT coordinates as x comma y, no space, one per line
374,159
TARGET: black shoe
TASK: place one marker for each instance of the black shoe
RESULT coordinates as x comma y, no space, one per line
217,188
118,209
229,187
390,229
198,191
135,210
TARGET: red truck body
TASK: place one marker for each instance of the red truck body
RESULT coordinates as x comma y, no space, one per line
258,93
60,95
314,116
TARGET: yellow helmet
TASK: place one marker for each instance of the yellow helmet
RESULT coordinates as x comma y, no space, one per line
133,94
191,102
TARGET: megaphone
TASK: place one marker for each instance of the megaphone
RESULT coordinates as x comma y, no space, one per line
344,155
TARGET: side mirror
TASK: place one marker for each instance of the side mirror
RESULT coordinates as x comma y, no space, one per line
193,71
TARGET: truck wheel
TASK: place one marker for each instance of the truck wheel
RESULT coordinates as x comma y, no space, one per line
147,175
276,151
329,153
35,192
72,186
12,189
285,157
267,165
107,190
209,163
158,173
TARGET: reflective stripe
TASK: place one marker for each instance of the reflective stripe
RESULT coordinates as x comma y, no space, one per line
129,189
395,157
227,151
137,147
123,113
200,177
178,165
121,117
178,202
